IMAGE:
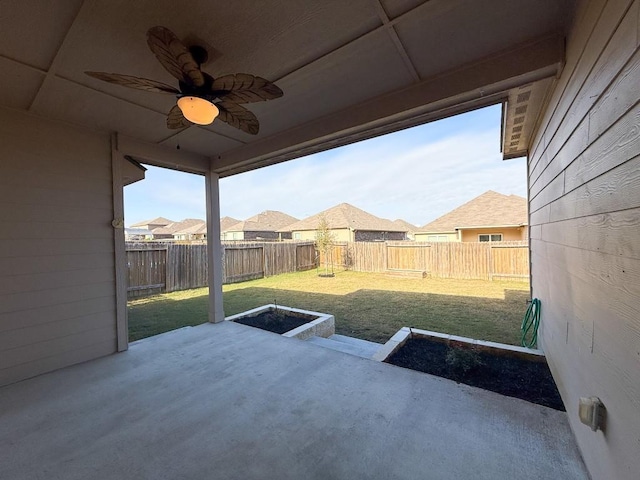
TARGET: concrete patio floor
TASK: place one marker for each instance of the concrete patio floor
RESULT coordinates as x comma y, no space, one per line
228,401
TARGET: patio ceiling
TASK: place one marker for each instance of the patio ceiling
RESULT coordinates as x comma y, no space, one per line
349,70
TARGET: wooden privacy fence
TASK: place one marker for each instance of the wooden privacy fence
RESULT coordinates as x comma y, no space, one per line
504,260
167,267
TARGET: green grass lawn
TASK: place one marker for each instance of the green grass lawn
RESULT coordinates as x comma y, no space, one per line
365,305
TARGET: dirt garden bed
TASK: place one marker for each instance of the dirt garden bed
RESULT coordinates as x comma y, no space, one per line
505,369
287,321
276,321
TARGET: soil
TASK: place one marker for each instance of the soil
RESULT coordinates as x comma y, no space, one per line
512,376
279,322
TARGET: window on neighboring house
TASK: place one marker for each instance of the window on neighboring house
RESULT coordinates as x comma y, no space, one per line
437,238
296,235
236,235
496,237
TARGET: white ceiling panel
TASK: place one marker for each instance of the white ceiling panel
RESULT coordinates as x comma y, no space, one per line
264,38
19,84
361,70
201,141
328,56
268,39
443,35
75,104
32,30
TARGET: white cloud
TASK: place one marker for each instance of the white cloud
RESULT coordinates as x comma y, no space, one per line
165,193
417,184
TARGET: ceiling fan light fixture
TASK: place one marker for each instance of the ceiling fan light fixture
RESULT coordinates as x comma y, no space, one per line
198,110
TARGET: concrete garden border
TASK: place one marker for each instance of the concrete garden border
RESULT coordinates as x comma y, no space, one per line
322,326
405,333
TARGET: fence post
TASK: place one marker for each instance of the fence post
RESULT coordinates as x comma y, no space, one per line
490,260
168,264
385,259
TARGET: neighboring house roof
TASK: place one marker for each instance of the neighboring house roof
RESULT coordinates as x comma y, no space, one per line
226,222
177,226
196,229
155,221
346,216
267,221
489,209
409,227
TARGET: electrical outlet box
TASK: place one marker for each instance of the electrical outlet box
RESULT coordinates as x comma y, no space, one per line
591,412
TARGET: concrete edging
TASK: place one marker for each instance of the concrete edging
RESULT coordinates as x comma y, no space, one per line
405,333
322,326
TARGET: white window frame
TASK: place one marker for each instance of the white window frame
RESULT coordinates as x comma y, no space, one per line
490,235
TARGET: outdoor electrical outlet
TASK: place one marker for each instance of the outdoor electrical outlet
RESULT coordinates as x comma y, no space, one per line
591,412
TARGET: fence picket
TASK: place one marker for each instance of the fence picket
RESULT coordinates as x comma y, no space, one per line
168,267
484,261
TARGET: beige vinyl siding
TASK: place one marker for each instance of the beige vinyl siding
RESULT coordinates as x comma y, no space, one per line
424,237
304,235
342,235
584,177
508,234
57,277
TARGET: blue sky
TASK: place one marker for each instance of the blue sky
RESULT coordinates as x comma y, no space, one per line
416,174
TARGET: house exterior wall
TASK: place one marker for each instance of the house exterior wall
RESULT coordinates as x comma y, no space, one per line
57,275
508,234
249,236
372,236
584,190
232,236
260,235
339,235
442,237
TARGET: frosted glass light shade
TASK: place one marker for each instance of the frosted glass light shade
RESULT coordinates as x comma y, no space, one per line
198,110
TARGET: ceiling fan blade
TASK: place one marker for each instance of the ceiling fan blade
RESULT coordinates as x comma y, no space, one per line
238,117
176,120
245,88
134,82
174,56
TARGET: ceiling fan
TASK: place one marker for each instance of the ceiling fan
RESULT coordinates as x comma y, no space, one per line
201,98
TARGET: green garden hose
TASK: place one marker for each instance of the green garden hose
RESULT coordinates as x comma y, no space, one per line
530,324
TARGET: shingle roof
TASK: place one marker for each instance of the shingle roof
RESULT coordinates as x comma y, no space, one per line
155,221
193,229
177,226
410,228
489,209
226,222
267,221
346,216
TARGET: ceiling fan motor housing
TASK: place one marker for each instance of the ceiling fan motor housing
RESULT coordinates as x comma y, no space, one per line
203,92
199,54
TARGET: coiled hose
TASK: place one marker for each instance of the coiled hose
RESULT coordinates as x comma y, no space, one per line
530,324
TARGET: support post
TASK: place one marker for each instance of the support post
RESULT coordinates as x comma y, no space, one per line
214,248
120,261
